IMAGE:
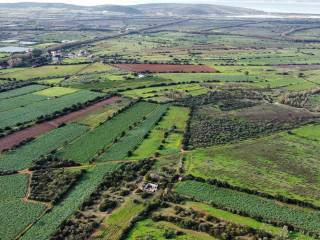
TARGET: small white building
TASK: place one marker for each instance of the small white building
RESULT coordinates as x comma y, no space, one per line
150,187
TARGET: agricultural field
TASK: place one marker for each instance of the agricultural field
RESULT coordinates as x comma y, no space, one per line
16,159
159,121
251,205
292,156
169,129
40,109
94,142
19,213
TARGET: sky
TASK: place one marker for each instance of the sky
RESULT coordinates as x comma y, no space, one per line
297,6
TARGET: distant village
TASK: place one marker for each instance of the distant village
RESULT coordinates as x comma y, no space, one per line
58,56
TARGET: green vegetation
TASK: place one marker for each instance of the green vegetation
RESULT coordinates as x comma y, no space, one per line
56,92
20,101
251,205
164,230
19,215
170,129
87,146
117,222
87,185
40,109
282,164
16,159
21,91
128,143
228,216
100,116
13,186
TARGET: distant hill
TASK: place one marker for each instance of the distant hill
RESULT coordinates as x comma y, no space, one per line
163,9
193,9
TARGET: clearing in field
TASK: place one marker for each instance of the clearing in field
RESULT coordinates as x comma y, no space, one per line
165,68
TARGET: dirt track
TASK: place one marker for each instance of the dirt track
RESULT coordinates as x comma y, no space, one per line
34,131
165,68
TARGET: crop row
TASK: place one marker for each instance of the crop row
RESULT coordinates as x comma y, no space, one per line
120,149
256,207
88,145
23,157
70,204
47,107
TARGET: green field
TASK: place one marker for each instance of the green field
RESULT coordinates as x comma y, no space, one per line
56,92
119,150
87,146
176,116
43,72
44,144
21,91
100,116
238,219
281,164
116,223
20,101
252,205
18,213
47,107
146,229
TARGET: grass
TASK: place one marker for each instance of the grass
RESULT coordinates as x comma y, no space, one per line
176,116
44,144
56,91
252,205
241,220
114,225
72,201
148,229
87,146
283,163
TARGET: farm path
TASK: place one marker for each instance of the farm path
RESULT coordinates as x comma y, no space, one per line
13,139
